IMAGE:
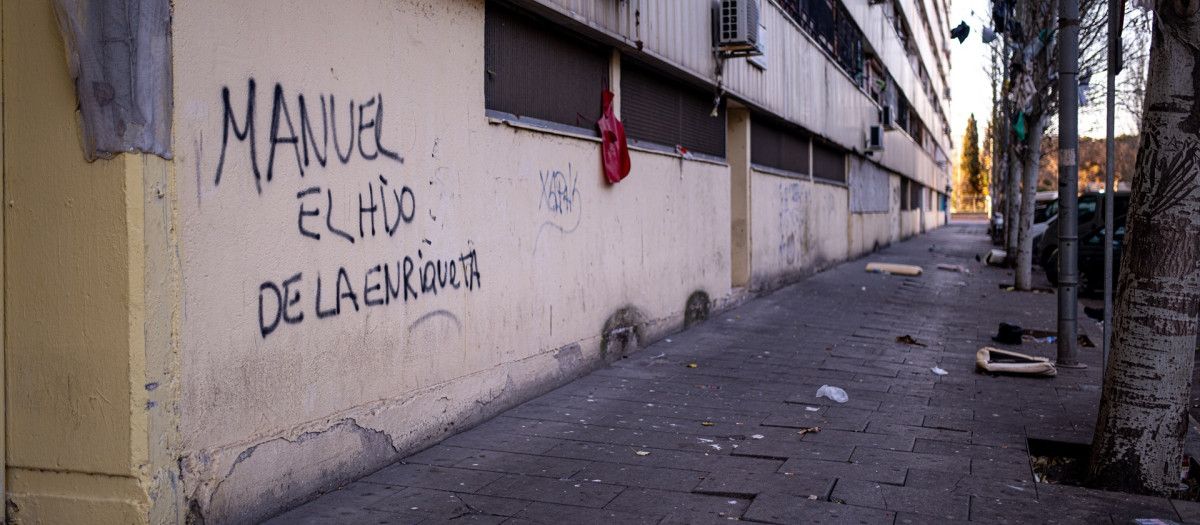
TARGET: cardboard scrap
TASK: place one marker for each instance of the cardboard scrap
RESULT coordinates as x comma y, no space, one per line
898,269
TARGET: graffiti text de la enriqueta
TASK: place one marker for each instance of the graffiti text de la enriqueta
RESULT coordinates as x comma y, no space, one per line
384,208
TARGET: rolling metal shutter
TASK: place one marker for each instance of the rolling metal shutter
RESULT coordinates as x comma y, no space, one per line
661,110
535,71
775,146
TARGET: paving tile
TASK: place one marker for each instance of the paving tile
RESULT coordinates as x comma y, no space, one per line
790,510
527,464
739,482
1012,488
318,513
557,514
990,509
441,455
641,476
841,419
358,494
916,431
659,458
952,423
970,450
501,434
442,505
839,469
933,503
1189,511
565,492
432,477
637,499
894,458
787,444
1124,508
860,439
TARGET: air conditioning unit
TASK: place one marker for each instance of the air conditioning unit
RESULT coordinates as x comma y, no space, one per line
886,118
875,138
737,25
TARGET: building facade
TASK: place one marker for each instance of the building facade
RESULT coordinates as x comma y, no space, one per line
349,231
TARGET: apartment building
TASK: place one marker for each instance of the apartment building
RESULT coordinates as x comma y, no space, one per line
253,249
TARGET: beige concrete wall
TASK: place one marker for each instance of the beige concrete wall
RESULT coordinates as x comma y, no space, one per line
869,232
77,446
829,210
799,227
506,250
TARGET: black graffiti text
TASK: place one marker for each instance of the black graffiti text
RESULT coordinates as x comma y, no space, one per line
299,134
375,217
340,292
559,190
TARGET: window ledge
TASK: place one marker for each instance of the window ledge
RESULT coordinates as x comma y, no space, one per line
780,172
831,182
541,126
669,151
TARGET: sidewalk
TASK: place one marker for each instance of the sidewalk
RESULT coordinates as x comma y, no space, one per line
652,440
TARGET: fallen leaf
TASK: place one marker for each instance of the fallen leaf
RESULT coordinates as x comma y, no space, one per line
639,452
707,423
807,430
908,340
692,365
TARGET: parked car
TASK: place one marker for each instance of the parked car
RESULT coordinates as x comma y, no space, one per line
1091,258
1045,210
1091,217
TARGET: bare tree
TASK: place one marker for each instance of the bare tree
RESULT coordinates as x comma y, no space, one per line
1138,444
1033,90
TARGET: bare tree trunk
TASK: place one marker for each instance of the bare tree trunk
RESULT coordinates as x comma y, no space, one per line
1138,445
1012,203
1029,169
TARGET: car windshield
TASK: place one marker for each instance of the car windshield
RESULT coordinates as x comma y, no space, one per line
1087,207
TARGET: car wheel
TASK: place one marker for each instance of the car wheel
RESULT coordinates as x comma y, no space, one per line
1051,266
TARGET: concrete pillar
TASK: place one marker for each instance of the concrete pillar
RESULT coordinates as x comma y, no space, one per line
737,153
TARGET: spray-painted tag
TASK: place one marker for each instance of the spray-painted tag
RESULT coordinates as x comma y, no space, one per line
1066,157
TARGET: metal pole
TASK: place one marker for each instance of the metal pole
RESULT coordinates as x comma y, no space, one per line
1068,184
1114,57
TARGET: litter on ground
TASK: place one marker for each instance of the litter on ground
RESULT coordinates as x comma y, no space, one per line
898,269
908,340
833,392
995,360
939,371
953,268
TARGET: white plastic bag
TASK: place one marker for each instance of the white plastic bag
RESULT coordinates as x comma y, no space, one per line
833,392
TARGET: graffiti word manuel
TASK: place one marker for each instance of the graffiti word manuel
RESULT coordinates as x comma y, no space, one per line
300,142
333,293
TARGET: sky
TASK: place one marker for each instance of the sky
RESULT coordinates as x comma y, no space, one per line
971,91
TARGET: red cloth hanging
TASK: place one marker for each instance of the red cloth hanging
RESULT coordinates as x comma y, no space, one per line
613,148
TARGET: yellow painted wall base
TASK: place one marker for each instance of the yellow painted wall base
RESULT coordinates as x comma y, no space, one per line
68,497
